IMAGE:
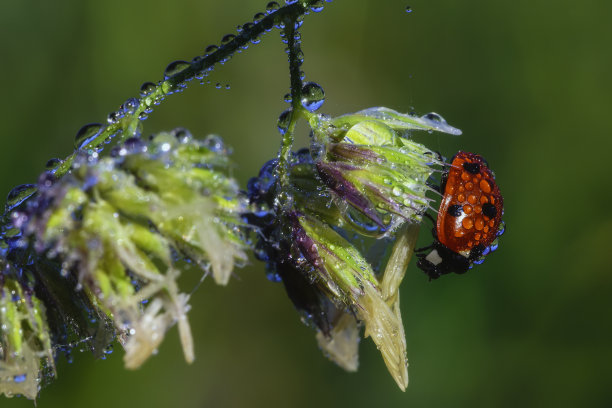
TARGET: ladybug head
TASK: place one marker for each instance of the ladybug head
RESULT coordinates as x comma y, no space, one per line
438,260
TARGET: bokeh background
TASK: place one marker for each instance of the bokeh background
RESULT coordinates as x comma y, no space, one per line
527,81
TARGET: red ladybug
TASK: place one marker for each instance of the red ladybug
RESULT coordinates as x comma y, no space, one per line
469,219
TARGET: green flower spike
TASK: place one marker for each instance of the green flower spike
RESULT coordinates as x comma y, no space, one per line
119,222
26,356
367,161
347,277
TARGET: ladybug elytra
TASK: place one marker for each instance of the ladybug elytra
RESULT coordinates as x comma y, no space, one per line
469,219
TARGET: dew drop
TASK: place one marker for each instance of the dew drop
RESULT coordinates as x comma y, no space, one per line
313,96
272,7
283,121
494,245
147,88
317,6
17,195
87,134
408,9
175,68
287,98
52,164
114,117
227,38
438,123
215,143
19,378
134,145
218,85
182,135
272,276
258,17
130,106
290,1
210,49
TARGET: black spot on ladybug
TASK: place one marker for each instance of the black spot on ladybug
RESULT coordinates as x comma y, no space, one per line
454,210
473,168
489,210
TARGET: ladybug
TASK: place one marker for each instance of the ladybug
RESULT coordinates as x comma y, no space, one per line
469,219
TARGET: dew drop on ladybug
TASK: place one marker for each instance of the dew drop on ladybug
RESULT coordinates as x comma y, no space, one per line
469,220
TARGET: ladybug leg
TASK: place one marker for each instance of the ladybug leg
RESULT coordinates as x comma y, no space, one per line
419,251
434,185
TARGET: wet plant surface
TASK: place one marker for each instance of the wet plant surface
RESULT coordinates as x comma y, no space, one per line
495,307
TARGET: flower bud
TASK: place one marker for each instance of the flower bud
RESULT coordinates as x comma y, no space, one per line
26,356
367,161
118,224
341,271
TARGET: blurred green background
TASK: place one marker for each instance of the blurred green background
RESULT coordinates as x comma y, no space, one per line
529,84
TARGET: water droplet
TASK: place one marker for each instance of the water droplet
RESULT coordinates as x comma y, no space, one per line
147,88
227,38
17,195
175,68
283,121
114,117
317,6
52,164
215,143
272,276
290,1
287,98
272,7
408,9
396,191
258,17
134,145
434,117
130,106
210,49
87,134
182,135
227,86
437,122
218,85
19,378
494,245
313,96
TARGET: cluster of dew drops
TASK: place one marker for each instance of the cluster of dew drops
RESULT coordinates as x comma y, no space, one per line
312,96
152,94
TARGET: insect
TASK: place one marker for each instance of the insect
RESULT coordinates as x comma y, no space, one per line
469,219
